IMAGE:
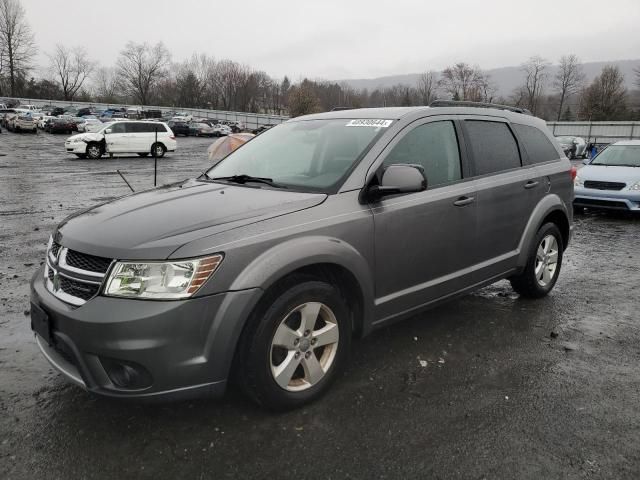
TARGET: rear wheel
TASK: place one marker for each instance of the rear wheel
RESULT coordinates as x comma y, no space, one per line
296,345
94,150
158,150
543,265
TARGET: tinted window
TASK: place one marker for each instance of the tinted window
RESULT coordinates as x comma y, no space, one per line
118,128
435,147
538,147
493,145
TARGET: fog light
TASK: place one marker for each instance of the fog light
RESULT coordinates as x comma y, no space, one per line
127,375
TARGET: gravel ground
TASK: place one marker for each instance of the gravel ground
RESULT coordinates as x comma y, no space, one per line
510,389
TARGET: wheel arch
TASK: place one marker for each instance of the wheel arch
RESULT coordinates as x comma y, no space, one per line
550,209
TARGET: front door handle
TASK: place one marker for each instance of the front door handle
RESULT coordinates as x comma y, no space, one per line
462,201
531,184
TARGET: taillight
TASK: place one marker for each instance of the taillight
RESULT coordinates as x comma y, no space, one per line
172,137
574,172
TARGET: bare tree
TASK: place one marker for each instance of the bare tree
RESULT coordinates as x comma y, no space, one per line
606,97
568,80
427,87
534,81
303,99
17,46
637,72
71,67
465,82
140,67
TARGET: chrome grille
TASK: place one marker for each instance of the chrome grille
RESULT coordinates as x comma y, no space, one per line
74,277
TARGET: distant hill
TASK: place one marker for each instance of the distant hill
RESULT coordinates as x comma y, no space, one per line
506,79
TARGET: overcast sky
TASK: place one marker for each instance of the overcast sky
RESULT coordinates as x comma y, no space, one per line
336,39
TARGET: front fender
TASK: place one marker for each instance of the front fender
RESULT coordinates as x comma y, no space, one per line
284,258
545,207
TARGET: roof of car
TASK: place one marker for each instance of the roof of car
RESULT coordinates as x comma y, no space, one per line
627,142
396,113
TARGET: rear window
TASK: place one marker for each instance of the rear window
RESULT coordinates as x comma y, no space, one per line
493,145
145,127
538,147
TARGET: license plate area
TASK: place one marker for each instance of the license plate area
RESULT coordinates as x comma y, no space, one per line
41,323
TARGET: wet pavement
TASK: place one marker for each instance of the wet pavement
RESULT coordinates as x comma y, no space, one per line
511,388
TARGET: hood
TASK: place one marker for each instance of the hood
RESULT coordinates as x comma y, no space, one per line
154,223
91,137
628,175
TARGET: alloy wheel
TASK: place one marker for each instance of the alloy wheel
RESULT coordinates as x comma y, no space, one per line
546,260
304,346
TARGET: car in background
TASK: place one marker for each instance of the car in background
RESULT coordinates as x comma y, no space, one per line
30,108
25,123
179,127
60,125
90,125
573,147
130,136
10,119
610,180
222,130
261,129
4,112
202,130
43,121
84,111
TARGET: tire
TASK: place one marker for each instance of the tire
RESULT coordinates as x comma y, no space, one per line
159,149
94,150
143,154
547,247
312,368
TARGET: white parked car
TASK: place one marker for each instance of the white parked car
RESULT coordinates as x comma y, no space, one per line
131,136
44,119
25,123
222,130
90,125
31,108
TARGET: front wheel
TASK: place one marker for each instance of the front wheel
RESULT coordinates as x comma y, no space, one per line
94,151
543,265
296,345
158,150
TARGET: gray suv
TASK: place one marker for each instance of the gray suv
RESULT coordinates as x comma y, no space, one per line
315,232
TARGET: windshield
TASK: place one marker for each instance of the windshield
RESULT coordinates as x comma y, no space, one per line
311,154
619,156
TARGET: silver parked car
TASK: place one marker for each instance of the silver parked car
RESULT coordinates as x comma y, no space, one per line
315,232
611,180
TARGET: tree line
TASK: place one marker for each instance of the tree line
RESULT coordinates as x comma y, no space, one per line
145,74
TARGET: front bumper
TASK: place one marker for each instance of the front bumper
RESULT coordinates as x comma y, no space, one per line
607,199
76,147
184,347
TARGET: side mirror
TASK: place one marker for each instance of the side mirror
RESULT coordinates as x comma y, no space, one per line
586,161
400,178
108,130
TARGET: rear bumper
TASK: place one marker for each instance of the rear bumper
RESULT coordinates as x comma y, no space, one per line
184,348
607,199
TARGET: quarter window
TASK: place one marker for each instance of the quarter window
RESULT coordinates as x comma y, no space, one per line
434,146
493,145
539,148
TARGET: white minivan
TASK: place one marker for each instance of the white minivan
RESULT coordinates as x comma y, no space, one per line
139,137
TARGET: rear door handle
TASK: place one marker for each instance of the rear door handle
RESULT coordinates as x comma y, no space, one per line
531,184
462,201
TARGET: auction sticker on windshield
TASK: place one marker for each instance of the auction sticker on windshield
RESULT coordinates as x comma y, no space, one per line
369,122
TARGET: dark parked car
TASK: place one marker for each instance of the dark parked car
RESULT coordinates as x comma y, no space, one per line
3,115
314,233
60,125
179,128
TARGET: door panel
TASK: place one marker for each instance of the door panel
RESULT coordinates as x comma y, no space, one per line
424,241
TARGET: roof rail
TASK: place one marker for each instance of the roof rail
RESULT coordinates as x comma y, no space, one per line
338,109
455,103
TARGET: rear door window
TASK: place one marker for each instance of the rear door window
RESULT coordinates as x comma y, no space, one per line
493,145
538,147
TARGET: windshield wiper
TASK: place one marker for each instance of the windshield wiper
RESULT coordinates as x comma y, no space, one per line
244,178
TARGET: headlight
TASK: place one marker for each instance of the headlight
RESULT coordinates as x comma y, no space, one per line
160,280
578,181
635,186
